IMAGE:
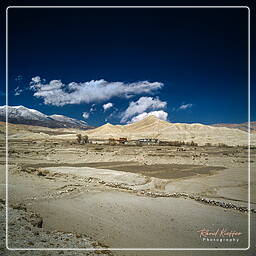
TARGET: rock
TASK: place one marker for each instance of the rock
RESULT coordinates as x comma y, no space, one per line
27,228
37,221
36,233
40,173
19,207
78,235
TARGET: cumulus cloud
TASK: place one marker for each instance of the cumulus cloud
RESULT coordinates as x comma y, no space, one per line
59,94
107,106
159,114
86,115
185,106
141,105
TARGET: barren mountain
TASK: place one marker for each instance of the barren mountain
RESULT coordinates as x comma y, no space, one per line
242,126
152,127
149,127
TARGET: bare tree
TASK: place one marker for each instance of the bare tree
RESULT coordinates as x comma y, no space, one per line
79,138
85,139
82,139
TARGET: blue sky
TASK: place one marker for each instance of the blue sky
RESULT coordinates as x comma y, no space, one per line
183,65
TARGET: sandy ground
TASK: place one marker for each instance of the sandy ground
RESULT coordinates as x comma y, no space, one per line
66,186
124,220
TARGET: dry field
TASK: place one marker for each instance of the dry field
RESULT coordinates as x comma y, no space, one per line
62,194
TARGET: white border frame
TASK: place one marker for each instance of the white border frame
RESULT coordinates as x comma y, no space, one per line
131,249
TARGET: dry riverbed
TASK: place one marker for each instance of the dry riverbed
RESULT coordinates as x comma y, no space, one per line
132,197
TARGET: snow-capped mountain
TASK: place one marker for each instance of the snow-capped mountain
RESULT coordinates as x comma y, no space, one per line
69,120
23,115
22,112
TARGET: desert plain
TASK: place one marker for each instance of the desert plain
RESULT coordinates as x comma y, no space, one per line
111,196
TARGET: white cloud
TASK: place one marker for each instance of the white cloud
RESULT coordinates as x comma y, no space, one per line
141,105
93,108
107,106
86,115
17,91
18,78
159,114
185,106
36,79
59,94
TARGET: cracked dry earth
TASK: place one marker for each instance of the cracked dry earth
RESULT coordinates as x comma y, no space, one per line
66,195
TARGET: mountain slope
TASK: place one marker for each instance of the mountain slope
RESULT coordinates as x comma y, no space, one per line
152,127
148,124
23,115
69,122
242,126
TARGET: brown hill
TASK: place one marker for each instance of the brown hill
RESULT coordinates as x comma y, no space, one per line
152,127
242,126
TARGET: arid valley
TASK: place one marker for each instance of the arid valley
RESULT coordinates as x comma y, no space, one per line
128,129
110,194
